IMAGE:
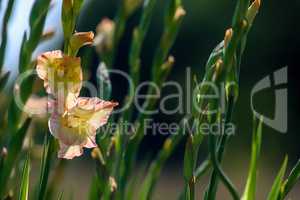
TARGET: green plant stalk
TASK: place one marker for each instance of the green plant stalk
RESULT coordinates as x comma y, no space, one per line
250,189
120,25
190,160
215,156
139,35
158,76
133,143
156,166
5,22
240,32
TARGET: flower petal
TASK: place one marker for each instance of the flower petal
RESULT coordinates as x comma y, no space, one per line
79,40
69,152
101,110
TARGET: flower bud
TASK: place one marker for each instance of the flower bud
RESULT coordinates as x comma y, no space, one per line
104,37
252,11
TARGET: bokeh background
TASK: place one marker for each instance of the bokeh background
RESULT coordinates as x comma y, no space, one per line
273,43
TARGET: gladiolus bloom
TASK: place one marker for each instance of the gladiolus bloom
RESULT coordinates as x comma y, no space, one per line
77,127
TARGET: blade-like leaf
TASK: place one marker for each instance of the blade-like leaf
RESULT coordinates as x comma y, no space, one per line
275,190
290,181
3,80
48,152
249,193
6,18
14,148
24,188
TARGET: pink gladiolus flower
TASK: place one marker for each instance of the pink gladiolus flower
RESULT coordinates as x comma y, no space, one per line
77,127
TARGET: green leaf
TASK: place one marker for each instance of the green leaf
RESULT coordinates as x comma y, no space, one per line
61,195
14,148
5,21
291,181
3,80
24,188
156,166
249,193
48,151
275,190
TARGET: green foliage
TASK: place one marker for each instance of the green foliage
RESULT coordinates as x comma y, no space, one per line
3,80
24,187
14,149
291,181
48,152
249,193
275,190
5,22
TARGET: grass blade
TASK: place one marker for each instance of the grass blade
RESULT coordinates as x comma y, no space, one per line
3,80
275,190
249,193
290,181
14,148
24,188
6,18
48,151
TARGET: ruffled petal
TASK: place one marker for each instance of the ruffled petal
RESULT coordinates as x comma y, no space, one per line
97,109
69,152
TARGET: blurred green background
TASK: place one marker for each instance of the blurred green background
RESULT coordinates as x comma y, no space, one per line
273,43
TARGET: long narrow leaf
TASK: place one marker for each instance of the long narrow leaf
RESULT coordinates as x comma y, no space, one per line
6,19
3,80
45,166
249,193
290,181
24,188
275,190
14,148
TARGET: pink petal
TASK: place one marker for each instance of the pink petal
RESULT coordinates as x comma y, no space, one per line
69,152
91,142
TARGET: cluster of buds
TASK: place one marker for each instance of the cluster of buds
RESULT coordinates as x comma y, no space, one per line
74,120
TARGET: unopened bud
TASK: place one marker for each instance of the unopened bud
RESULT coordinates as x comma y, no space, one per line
4,152
104,37
179,13
228,36
113,184
253,10
169,63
